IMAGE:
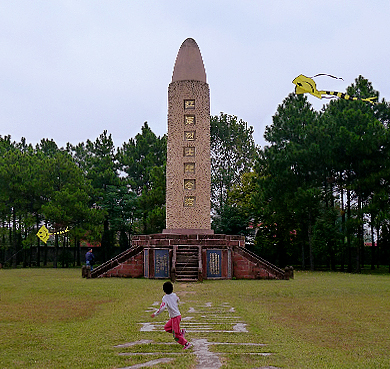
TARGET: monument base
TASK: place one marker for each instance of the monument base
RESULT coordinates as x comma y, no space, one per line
188,231
189,257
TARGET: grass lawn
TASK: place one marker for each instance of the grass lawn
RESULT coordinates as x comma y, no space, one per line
53,318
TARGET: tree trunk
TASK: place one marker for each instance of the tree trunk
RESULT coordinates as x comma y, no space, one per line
38,246
360,237
377,245
78,252
75,252
14,240
310,236
106,241
63,252
342,261
55,251
373,248
349,231
45,255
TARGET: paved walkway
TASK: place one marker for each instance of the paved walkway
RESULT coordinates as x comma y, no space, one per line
198,319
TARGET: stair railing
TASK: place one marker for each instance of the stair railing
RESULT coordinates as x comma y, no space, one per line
115,261
256,257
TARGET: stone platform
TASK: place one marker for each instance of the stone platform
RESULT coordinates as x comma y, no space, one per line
189,257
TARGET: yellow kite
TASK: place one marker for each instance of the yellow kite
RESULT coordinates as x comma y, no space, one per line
305,84
44,234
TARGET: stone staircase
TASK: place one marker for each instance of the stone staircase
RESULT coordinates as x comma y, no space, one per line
273,271
187,264
185,256
112,263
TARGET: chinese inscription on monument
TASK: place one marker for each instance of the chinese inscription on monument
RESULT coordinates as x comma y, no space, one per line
188,151
214,263
161,263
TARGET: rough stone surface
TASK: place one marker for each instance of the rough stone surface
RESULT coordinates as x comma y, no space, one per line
188,172
206,359
150,363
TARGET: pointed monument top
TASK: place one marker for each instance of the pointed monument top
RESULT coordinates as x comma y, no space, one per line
189,64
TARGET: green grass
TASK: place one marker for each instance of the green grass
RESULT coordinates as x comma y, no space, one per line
56,319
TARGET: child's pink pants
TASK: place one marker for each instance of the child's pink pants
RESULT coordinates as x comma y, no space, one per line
173,326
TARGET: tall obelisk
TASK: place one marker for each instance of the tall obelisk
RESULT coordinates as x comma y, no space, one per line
188,155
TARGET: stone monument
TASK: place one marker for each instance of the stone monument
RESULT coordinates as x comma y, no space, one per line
188,152
188,249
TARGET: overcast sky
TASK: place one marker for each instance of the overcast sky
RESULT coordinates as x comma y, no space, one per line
71,69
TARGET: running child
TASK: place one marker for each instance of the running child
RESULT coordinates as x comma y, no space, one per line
171,302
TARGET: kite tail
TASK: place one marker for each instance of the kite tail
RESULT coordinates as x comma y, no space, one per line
325,74
369,99
348,97
61,232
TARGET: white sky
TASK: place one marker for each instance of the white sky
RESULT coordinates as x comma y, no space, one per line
71,69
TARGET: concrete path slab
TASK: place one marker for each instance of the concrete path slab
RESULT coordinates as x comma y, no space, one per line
206,318
206,359
129,344
149,363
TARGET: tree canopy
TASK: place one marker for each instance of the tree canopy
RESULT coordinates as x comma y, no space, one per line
313,196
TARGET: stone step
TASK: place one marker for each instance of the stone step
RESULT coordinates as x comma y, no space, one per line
182,259
193,271
187,279
182,268
187,263
187,275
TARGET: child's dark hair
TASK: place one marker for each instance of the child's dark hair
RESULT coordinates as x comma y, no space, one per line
168,287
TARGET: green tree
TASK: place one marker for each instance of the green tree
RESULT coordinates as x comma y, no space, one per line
121,204
101,168
69,197
16,170
143,161
237,215
233,152
290,170
321,175
359,159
